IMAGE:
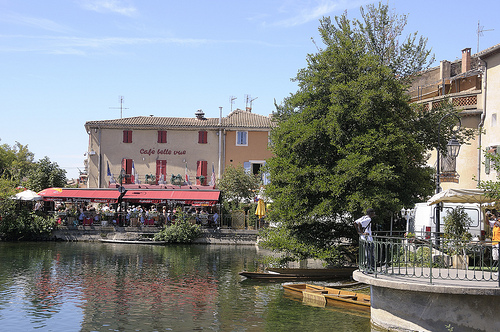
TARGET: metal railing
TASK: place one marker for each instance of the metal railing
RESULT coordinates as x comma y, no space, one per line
429,257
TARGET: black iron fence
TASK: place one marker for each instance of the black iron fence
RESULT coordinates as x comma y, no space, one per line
429,257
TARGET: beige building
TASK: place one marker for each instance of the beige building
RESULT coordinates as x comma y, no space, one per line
472,85
167,150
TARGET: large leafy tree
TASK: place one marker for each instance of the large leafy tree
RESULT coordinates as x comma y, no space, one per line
15,162
345,141
46,174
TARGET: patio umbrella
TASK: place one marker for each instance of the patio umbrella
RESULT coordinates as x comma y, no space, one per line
461,196
261,209
27,195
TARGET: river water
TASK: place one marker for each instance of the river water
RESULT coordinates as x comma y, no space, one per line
121,287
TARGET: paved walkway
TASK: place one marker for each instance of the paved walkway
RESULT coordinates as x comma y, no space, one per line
448,281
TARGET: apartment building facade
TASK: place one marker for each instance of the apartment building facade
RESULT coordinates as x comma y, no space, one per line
174,151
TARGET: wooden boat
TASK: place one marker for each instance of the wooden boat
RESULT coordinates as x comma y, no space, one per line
321,295
339,272
300,274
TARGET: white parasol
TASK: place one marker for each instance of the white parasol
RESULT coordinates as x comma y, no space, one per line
461,196
27,195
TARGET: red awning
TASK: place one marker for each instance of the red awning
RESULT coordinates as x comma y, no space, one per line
190,197
80,195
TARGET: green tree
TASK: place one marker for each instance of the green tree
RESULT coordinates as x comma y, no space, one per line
345,141
15,162
237,186
46,174
382,30
491,187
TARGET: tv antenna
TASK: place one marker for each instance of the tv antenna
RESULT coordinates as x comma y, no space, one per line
249,101
480,30
121,107
231,100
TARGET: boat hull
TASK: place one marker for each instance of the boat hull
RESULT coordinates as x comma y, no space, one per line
301,274
323,296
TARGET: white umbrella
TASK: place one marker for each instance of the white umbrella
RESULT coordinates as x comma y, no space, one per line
461,196
27,195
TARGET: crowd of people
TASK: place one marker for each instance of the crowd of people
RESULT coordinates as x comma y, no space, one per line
135,215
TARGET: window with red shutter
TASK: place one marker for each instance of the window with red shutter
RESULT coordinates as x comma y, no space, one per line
127,167
201,172
202,137
162,136
127,136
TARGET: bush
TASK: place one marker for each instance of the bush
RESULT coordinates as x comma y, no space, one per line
182,231
21,223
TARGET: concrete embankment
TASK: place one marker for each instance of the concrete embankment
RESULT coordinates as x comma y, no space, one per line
146,234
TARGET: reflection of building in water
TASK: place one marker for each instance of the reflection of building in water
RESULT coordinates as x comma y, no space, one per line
167,150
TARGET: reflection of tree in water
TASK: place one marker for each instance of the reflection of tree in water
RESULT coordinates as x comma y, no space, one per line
128,287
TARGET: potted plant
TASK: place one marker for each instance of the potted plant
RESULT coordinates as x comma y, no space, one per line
457,236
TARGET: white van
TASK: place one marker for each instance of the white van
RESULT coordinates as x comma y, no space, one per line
422,222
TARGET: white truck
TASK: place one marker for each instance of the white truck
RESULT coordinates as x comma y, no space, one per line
422,221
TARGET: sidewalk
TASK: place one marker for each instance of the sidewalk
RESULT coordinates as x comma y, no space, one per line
446,281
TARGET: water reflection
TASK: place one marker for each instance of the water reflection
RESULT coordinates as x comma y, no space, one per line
105,287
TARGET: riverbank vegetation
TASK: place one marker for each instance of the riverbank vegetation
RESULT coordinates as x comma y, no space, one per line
20,171
182,230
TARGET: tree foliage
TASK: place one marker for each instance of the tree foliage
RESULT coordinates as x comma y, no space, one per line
181,231
382,30
348,138
237,186
46,174
15,162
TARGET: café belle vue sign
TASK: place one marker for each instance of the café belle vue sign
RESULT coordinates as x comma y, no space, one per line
150,152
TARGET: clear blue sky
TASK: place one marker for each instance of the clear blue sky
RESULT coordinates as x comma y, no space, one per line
65,62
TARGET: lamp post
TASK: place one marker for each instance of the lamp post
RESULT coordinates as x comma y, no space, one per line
453,149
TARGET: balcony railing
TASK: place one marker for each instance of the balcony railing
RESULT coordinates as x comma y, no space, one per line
430,258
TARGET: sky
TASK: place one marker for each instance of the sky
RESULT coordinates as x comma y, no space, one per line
65,62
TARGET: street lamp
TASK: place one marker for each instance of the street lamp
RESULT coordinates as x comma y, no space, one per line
452,150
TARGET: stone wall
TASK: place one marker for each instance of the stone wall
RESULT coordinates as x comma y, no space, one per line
110,233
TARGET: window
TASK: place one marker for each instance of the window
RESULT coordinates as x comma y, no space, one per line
202,137
162,136
127,167
127,136
201,172
161,171
492,150
241,138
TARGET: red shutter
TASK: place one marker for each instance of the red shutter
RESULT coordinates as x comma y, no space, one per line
162,136
127,136
201,170
202,137
127,167
161,169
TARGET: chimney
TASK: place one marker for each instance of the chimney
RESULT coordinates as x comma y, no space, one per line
200,115
444,69
465,60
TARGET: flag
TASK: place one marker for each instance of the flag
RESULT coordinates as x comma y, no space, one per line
212,180
187,176
132,176
109,172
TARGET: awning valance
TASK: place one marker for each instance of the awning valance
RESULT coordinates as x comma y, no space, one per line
70,195
189,197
